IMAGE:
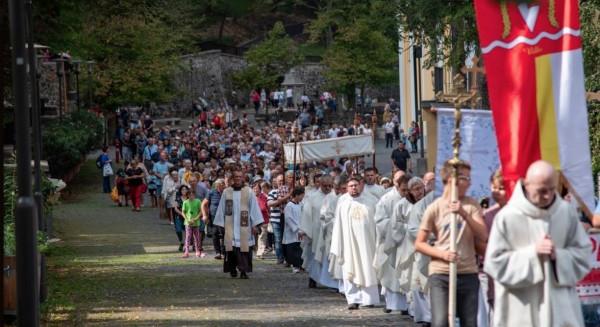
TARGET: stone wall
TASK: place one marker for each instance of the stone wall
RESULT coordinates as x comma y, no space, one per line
49,89
208,74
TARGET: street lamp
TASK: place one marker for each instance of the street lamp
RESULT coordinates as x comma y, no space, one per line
60,73
191,61
90,69
417,54
374,131
76,71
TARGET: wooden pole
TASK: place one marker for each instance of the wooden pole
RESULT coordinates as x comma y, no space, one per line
455,161
565,182
374,130
295,131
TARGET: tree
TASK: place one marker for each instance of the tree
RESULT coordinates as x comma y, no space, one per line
360,57
134,56
134,48
590,25
269,60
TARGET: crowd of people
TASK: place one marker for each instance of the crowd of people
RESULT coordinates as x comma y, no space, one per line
353,230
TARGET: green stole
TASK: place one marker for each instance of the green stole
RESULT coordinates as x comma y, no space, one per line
244,219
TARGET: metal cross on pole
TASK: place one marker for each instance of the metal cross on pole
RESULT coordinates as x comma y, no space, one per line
459,98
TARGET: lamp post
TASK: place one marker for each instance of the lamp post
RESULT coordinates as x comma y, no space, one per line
417,54
60,72
76,71
25,211
191,62
374,130
90,69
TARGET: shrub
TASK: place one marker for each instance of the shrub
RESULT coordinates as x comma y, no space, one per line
10,200
66,142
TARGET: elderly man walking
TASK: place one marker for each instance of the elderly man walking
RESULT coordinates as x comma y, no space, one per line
536,254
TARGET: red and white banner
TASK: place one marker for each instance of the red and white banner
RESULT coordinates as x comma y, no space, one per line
533,59
589,287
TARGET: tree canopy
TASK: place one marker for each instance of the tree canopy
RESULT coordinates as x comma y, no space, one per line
269,60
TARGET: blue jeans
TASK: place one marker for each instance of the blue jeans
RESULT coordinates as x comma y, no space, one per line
106,184
277,236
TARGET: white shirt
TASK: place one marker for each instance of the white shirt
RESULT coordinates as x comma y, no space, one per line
389,127
292,214
289,93
333,132
304,98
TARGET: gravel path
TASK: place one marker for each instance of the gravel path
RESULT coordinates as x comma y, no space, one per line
114,267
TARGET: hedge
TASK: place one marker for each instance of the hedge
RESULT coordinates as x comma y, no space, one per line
67,141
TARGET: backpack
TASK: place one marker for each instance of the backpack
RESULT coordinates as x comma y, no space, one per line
99,162
155,156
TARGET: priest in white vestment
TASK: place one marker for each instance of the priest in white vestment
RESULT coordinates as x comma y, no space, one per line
328,220
312,227
419,306
239,214
386,245
353,244
406,253
371,185
536,254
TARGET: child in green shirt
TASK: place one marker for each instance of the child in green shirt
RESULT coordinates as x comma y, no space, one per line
191,216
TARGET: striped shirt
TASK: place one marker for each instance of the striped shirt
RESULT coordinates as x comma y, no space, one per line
274,212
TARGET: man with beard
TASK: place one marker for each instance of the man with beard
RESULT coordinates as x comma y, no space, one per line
353,244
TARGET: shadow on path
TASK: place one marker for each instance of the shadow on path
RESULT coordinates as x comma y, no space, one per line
115,267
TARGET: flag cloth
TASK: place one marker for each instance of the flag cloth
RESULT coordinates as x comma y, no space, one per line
534,64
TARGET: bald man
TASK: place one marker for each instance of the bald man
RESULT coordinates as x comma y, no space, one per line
429,180
537,252
384,261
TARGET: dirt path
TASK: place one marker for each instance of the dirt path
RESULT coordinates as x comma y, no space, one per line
115,267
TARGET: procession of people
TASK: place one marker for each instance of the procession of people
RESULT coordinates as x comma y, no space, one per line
380,241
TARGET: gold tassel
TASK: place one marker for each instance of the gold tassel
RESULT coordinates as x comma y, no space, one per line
505,19
552,13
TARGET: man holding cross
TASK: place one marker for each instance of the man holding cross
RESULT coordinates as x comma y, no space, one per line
239,214
471,234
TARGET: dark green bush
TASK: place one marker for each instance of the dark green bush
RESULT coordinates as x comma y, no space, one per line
66,142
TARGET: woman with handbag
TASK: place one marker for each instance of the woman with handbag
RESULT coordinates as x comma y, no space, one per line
104,162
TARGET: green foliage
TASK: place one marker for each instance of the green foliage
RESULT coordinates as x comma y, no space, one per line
430,21
133,42
351,61
590,25
269,60
594,122
335,15
66,142
10,200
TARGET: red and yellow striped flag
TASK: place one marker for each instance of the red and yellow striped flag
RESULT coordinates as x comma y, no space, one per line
533,59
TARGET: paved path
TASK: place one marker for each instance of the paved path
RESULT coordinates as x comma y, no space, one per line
115,267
